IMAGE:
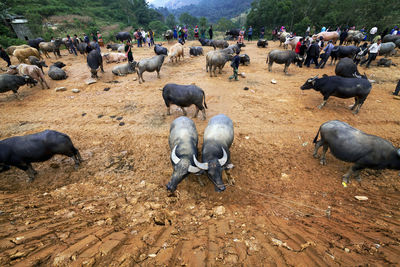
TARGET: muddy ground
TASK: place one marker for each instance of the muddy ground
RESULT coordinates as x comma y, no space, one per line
115,211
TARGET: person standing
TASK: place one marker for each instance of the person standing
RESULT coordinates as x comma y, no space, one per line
372,33
196,32
235,66
328,49
185,30
373,53
396,91
250,34
262,32
100,39
175,33
308,31
94,38
241,36
323,29
312,54
71,45
210,32
151,35
3,55
128,51
343,36
96,46
86,38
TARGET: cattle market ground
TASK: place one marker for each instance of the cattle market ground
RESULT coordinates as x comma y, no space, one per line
115,211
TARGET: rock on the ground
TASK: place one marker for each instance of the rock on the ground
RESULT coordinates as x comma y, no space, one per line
75,90
60,89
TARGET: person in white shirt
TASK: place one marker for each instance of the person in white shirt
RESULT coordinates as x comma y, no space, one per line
373,53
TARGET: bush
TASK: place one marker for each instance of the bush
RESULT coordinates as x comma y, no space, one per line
7,41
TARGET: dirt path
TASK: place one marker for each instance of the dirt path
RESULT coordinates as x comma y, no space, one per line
115,211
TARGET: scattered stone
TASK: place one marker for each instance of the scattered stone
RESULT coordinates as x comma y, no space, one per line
60,89
135,79
346,250
121,123
243,75
152,255
109,221
273,81
1,212
100,116
396,97
285,177
119,118
361,197
84,114
75,90
220,210
246,88
17,255
379,101
113,116
107,89
247,137
304,144
90,81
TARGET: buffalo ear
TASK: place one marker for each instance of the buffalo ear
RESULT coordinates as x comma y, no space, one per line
325,75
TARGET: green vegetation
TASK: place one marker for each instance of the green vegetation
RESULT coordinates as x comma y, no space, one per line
297,15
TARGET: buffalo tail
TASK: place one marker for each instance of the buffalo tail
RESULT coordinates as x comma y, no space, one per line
316,137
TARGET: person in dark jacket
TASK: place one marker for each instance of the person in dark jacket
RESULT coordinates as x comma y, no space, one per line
343,36
128,51
396,92
89,48
312,53
210,32
262,32
3,55
235,66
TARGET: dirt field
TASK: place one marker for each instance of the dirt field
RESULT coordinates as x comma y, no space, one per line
115,210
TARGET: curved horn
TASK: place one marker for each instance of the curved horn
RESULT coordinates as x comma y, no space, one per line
316,76
224,158
193,169
174,157
202,166
398,152
356,76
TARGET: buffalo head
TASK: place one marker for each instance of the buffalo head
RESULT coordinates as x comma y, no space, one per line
309,84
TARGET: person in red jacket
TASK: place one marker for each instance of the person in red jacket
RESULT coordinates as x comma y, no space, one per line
298,45
196,32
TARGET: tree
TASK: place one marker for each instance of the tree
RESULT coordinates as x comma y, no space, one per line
171,23
203,22
188,19
158,27
224,24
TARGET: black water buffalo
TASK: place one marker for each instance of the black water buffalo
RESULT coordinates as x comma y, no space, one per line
114,47
385,62
10,82
262,43
359,88
352,145
94,61
56,73
35,42
397,43
122,36
390,38
160,50
339,52
234,33
150,65
216,59
219,43
283,57
168,35
21,151
35,61
346,68
244,59
82,48
183,141
218,138
205,42
184,96
59,64
196,51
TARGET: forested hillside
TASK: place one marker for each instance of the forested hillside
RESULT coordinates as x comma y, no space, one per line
296,15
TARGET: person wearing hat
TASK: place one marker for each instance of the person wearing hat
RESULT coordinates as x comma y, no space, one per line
3,55
196,32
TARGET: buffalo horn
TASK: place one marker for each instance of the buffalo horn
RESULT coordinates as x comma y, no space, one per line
174,157
202,166
224,158
193,169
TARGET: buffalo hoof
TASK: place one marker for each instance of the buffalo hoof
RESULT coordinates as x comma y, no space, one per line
323,161
315,155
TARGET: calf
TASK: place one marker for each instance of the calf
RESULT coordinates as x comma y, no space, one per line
184,96
10,82
94,61
346,68
21,151
183,141
160,50
244,59
358,88
283,57
176,52
218,138
150,65
262,43
219,43
56,73
196,51
352,145
35,61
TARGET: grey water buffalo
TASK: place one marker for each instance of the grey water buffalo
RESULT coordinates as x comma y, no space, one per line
219,43
234,33
12,83
262,43
216,59
37,62
122,70
54,47
82,48
205,42
168,35
292,41
35,42
390,38
244,59
218,138
184,96
354,36
282,38
94,61
196,51
114,47
339,52
385,62
352,145
122,36
56,73
31,70
283,57
397,43
21,151
387,49
160,50
346,68
232,49
183,141
359,88
150,65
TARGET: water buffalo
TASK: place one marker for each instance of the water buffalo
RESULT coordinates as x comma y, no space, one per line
283,57
292,41
122,36
168,35
150,65
282,38
327,36
115,57
218,138
262,43
30,70
346,68
54,47
160,50
56,73
122,70
10,82
390,38
343,51
21,151
10,50
397,42
94,61
387,49
205,42
219,43
176,52
82,48
196,51
244,59
184,96
23,53
216,59
352,145
234,33
385,62
232,49
35,61
359,88
183,141
114,47
35,42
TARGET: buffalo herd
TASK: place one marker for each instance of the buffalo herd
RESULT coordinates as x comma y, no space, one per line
345,142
